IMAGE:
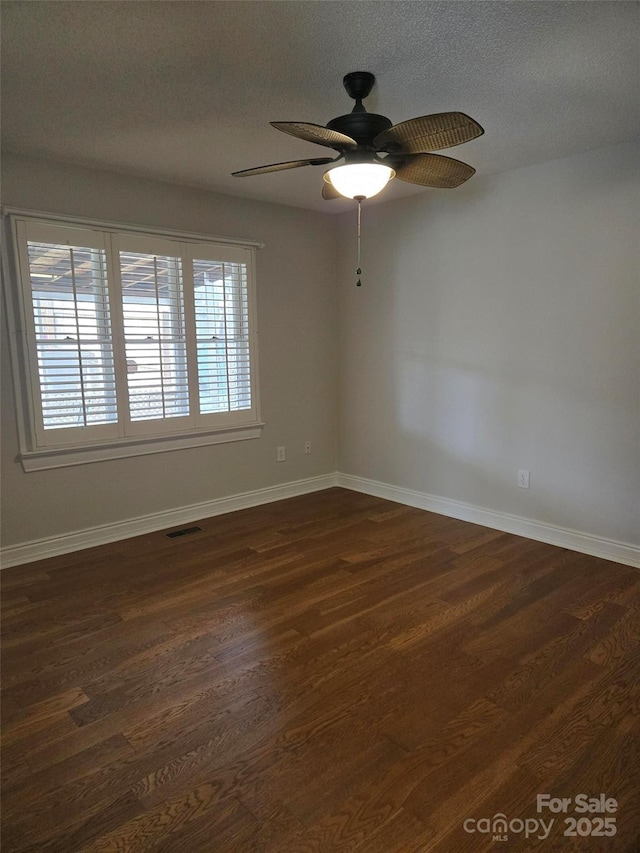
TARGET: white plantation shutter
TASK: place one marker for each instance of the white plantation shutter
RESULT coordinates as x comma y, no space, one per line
71,348
131,336
73,335
222,333
153,316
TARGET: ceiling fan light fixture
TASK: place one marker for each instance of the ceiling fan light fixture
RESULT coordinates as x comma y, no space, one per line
359,180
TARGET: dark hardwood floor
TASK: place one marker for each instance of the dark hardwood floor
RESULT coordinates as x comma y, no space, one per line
329,673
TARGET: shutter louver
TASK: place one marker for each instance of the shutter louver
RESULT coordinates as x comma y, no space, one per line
222,336
73,344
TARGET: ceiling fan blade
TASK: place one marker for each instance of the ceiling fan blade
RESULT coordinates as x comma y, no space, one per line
329,192
433,170
278,167
316,133
428,133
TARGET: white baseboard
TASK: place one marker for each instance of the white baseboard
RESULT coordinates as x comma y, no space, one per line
574,540
40,549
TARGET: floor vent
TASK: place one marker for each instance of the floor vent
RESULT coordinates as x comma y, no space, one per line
184,532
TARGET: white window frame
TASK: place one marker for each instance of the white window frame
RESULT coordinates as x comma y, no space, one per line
43,449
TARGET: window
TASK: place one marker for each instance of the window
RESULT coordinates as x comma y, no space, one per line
132,341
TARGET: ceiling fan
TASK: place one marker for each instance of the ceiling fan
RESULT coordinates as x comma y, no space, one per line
374,151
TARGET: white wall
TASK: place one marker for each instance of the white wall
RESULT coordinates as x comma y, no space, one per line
297,341
497,329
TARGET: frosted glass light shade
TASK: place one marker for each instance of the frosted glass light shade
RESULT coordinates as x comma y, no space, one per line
359,179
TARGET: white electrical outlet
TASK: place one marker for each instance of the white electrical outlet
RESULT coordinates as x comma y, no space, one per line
307,447
280,456
523,479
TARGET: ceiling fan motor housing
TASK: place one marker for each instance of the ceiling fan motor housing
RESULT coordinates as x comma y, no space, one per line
363,127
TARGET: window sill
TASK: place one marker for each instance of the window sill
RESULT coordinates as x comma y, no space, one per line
44,460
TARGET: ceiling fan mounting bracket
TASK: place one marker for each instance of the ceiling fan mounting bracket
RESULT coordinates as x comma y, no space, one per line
358,84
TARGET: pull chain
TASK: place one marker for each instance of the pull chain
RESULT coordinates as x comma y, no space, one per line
359,270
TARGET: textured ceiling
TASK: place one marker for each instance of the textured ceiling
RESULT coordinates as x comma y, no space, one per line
184,91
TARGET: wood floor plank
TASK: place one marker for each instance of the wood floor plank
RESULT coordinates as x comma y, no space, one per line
39,715
16,799
169,825
324,674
